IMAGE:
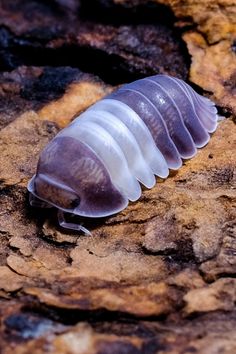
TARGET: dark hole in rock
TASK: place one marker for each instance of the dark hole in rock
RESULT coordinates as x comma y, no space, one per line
132,12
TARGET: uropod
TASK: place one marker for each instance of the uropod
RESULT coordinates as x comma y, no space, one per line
94,166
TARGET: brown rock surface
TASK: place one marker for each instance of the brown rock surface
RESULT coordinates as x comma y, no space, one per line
62,36
209,30
158,277
28,88
214,69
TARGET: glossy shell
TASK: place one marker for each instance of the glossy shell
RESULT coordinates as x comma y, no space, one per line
95,166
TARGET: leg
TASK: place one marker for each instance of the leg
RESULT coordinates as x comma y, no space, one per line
70,226
37,203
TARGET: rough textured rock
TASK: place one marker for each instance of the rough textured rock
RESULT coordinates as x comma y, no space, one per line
62,36
158,277
215,19
214,69
209,30
28,88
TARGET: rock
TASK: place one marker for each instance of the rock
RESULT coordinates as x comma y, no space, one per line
213,297
211,42
159,276
214,69
61,36
28,88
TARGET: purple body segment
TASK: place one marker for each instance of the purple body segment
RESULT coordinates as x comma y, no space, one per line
170,115
94,166
191,120
204,108
153,120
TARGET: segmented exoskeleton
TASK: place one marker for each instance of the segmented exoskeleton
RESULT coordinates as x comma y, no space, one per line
93,167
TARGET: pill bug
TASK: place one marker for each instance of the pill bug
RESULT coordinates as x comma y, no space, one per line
93,167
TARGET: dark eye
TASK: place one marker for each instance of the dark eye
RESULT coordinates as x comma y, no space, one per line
75,202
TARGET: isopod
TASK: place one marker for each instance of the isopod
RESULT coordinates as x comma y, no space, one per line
94,166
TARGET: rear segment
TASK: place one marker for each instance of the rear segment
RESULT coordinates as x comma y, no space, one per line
178,119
